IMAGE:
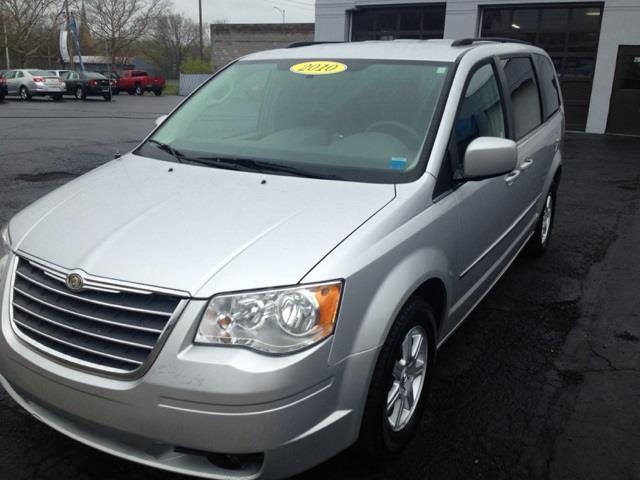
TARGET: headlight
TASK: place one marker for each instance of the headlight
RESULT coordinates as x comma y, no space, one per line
5,244
272,321
5,248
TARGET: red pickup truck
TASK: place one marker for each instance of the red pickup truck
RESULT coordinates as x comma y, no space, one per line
136,82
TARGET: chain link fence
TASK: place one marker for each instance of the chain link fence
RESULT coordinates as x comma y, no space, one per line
189,82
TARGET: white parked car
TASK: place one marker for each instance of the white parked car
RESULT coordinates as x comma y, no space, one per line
29,83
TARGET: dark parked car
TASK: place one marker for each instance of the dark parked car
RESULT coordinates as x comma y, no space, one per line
3,86
87,84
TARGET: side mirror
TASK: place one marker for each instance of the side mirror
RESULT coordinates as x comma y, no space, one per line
488,157
160,120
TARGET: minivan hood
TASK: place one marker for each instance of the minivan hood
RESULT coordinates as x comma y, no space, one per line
192,228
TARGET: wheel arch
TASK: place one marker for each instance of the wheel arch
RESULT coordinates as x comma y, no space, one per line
370,307
434,292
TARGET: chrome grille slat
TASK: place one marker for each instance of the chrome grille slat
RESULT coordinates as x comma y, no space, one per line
79,347
85,316
80,330
115,329
32,273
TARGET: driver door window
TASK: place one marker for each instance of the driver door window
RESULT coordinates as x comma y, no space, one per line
481,113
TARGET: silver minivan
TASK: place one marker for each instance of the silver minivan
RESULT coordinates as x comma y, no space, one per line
266,279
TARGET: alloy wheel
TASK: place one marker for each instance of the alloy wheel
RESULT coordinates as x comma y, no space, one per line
546,219
409,373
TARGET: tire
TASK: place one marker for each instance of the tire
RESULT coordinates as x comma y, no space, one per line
57,97
139,90
80,94
158,92
378,438
25,94
539,241
107,98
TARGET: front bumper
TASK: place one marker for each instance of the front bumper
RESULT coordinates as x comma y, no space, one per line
288,413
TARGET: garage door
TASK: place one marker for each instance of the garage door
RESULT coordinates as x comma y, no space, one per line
568,33
624,111
388,23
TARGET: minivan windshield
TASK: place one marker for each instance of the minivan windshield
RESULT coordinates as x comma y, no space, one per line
362,120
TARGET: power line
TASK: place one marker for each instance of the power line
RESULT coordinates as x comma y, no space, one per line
291,3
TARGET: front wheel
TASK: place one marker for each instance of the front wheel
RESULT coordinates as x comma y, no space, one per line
400,382
539,241
139,91
158,92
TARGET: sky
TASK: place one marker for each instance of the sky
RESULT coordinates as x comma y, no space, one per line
248,11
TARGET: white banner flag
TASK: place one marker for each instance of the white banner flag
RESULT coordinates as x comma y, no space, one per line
64,48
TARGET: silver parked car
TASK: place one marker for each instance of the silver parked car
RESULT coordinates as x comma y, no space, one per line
265,280
29,83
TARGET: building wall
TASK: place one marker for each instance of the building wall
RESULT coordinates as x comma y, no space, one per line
230,41
620,26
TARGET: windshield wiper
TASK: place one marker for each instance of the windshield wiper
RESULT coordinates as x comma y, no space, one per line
165,147
251,164
182,158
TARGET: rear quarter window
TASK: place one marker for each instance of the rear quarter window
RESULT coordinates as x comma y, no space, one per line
523,91
548,85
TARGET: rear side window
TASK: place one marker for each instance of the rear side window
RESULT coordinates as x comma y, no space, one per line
481,112
548,85
525,100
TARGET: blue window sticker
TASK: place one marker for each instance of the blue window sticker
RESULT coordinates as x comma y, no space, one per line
398,163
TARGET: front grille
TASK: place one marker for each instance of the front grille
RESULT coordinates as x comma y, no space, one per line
106,328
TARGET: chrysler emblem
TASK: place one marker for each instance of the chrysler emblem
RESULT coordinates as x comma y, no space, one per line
74,282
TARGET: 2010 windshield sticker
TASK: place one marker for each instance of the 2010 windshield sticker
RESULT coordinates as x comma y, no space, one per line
318,67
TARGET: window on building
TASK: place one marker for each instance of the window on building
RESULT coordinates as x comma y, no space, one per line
387,23
523,91
569,33
548,85
481,113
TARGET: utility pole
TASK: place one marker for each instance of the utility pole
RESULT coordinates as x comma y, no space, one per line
282,12
6,43
201,40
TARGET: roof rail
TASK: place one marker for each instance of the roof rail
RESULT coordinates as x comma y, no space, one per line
307,44
463,42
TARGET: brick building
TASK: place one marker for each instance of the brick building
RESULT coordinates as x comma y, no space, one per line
232,40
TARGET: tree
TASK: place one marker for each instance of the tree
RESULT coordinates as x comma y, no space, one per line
119,24
196,65
27,21
174,37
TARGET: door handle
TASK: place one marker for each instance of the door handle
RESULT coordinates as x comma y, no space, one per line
526,165
512,177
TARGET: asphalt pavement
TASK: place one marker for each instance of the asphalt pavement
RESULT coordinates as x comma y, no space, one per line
542,381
